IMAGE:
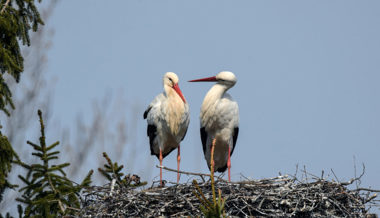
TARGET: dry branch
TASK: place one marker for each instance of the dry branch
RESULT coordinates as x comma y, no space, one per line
183,172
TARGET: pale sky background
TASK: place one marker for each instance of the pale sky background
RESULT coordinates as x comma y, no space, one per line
308,76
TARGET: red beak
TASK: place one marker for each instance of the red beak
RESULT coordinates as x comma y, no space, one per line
208,79
176,88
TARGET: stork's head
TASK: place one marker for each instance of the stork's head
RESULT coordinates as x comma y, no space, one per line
225,78
171,82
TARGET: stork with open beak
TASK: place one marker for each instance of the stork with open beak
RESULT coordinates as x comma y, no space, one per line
220,121
168,119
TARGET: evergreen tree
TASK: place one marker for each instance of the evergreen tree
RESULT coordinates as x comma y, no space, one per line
6,156
47,191
17,18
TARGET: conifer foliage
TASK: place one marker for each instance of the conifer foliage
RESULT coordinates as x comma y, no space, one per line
112,171
17,18
47,191
6,156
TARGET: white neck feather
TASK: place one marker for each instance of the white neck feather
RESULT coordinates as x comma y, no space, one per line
213,95
175,109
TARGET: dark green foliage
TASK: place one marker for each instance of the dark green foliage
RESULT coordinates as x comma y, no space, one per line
47,191
6,156
113,171
17,18
210,209
5,95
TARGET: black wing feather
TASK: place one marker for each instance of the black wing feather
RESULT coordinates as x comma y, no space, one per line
152,133
146,112
204,139
184,135
234,139
221,169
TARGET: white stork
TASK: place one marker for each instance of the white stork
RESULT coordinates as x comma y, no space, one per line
220,121
168,119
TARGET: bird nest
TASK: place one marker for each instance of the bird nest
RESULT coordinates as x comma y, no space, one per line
282,196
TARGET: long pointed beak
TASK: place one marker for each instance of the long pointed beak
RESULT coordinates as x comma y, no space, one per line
207,79
176,88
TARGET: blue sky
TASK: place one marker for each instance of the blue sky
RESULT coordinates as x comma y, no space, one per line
308,75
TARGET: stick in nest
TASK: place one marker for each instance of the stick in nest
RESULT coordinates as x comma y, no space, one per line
183,172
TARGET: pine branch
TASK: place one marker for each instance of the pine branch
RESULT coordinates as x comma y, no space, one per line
112,171
16,22
7,155
87,180
47,191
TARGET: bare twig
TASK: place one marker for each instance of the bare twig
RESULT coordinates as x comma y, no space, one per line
357,184
295,174
335,175
354,179
113,182
371,198
323,172
310,174
304,170
367,189
183,172
73,208
5,5
246,178
61,206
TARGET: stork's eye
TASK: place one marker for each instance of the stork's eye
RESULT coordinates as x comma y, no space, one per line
170,79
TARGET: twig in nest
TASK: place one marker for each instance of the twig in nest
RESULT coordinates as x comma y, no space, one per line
271,197
354,179
304,170
307,173
112,186
367,189
183,172
371,198
295,174
335,175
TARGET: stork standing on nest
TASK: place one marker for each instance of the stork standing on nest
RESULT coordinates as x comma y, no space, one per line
219,121
168,119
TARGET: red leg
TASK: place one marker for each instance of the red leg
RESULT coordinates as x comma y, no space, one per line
229,164
161,167
178,160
